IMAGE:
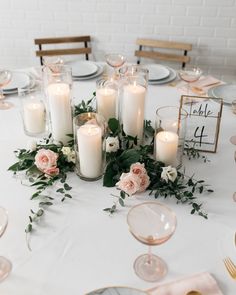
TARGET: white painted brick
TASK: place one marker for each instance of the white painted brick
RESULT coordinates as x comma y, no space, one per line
227,11
233,22
144,8
220,3
215,21
203,11
156,19
232,43
210,60
108,7
198,31
185,20
213,42
169,30
126,18
187,2
227,33
171,10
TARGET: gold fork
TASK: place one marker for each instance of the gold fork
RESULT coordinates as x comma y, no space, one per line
230,266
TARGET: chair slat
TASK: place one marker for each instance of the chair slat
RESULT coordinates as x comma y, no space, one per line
68,51
162,56
164,44
59,40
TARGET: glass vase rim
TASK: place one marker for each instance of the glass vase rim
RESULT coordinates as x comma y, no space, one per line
87,113
126,69
184,114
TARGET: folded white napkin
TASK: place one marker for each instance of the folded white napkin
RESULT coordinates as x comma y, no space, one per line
202,282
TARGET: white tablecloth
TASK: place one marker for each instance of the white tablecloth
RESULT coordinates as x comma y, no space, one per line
77,247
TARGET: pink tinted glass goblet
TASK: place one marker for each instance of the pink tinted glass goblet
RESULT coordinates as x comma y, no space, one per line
151,223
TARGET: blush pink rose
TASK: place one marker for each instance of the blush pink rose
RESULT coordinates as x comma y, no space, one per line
144,182
45,159
138,169
53,171
129,183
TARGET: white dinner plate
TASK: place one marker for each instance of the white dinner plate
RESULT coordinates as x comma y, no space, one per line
18,80
31,86
98,73
83,68
157,72
117,291
168,79
227,92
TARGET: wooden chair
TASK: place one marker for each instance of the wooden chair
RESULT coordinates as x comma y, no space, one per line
66,51
160,55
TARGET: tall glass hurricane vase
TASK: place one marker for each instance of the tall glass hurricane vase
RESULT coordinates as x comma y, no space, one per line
58,91
135,81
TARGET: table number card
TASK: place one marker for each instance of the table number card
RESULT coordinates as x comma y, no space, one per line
204,116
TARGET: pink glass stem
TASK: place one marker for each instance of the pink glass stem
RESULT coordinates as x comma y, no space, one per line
149,254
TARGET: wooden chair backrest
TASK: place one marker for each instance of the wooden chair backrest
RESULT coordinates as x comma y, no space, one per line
185,47
66,51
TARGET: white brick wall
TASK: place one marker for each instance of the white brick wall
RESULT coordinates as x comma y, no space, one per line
114,26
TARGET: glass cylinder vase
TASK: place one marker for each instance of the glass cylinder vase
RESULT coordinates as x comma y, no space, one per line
170,135
58,91
107,98
33,112
132,104
89,139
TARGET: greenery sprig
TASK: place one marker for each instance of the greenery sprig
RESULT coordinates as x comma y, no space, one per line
183,189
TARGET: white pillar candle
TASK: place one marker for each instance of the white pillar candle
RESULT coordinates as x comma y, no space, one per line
106,102
34,116
60,111
166,147
133,110
89,140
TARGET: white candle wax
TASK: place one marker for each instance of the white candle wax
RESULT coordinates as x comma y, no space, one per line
166,147
34,116
106,102
89,140
133,110
60,111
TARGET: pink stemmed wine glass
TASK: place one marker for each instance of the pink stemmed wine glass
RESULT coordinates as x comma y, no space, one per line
5,78
5,264
151,223
190,75
115,60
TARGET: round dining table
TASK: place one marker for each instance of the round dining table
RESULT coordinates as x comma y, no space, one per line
77,247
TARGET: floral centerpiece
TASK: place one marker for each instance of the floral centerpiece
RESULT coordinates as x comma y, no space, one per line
130,167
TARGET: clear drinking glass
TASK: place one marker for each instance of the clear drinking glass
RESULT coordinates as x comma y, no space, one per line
190,74
5,264
151,223
5,78
170,132
89,139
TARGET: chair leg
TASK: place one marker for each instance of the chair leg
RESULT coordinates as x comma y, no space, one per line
86,46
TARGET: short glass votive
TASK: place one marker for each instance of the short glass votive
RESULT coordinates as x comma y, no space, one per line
89,139
132,103
107,98
58,89
170,135
33,112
